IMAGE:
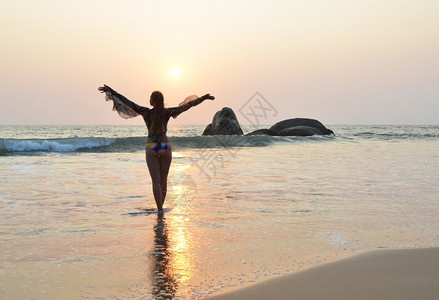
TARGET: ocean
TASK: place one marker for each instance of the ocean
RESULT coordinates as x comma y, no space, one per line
78,219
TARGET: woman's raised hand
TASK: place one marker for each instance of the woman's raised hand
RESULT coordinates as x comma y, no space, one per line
104,88
208,96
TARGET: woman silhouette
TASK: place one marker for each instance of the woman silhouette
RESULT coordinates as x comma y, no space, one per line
158,148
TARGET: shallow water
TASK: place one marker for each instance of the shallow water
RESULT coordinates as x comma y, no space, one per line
82,223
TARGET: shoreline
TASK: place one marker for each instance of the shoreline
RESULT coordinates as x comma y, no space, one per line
377,274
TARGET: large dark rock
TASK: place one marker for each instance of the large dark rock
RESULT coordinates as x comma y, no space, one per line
262,132
224,123
300,131
278,127
295,127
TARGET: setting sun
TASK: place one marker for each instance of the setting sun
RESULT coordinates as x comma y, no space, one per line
175,73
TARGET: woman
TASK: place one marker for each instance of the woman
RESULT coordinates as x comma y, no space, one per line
158,148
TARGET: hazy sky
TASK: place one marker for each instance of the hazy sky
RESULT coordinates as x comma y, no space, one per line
338,61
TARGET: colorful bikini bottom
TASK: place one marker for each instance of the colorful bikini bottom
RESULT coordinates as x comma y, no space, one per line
159,148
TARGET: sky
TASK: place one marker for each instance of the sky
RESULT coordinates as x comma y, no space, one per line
339,61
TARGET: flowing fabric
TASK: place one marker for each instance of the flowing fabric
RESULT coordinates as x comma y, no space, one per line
188,100
122,109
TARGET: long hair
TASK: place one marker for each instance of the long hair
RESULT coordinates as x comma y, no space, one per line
157,124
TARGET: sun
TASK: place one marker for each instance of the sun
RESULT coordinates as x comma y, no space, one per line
175,73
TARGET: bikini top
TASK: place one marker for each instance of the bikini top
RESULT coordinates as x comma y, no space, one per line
149,116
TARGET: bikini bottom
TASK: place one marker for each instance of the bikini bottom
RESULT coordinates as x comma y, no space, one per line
159,148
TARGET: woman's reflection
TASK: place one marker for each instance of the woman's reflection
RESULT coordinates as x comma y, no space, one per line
164,281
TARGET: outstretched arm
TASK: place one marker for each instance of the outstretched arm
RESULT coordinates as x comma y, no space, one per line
126,108
185,105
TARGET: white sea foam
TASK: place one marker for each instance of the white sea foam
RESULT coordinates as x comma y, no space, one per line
61,145
335,239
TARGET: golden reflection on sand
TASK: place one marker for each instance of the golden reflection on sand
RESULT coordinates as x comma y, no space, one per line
163,277
182,248
171,256
181,187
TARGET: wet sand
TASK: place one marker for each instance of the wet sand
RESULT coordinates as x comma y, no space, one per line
381,274
83,225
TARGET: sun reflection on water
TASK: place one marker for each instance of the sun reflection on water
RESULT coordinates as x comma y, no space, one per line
164,280
172,262
182,189
181,245
172,255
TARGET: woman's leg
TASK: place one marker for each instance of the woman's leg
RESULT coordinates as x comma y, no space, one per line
153,163
165,163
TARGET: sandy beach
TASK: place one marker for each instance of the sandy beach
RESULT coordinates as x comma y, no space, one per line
381,274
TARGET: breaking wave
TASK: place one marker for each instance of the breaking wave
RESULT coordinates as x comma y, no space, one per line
95,139
129,144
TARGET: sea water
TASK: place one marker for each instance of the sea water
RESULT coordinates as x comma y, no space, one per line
78,219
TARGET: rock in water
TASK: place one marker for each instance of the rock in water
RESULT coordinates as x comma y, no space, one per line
224,123
300,131
262,132
278,127
295,127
